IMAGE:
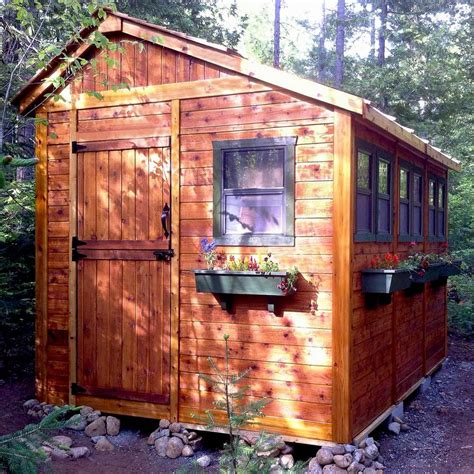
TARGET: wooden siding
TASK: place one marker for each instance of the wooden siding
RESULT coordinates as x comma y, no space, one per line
290,354
393,345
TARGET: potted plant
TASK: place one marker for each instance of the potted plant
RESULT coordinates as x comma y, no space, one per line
424,267
242,275
452,265
385,275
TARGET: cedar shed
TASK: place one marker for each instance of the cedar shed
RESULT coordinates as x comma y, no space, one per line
128,176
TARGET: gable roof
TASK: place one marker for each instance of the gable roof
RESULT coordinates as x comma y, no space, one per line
233,61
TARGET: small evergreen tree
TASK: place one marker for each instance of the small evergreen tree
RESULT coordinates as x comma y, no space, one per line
21,451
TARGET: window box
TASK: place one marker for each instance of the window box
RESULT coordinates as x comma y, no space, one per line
227,283
385,281
431,273
450,269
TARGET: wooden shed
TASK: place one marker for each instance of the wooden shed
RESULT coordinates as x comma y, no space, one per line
120,325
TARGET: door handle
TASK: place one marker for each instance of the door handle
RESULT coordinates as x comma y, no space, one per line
164,218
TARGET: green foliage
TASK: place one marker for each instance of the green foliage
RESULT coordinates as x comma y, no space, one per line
21,452
461,304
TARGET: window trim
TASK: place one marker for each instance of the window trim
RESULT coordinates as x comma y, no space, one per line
377,154
255,240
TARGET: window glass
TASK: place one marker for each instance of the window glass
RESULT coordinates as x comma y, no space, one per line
431,195
254,169
363,170
384,216
364,213
441,196
256,214
383,177
418,188
403,184
417,221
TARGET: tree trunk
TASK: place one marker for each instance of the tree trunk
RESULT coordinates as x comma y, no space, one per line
382,33
322,44
340,32
372,33
276,35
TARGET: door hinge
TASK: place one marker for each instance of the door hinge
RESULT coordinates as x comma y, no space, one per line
76,148
76,255
76,389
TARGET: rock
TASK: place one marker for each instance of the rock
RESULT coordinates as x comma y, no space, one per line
192,435
370,470
94,439
286,450
96,428
196,444
369,441
249,438
350,448
378,465
314,467
276,470
371,451
164,424
161,434
332,468
324,456
174,448
85,410
79,452
112,425
182,437
160,445
272,453
381,459
187,451
203,461
394,427
338,449
62,442
103,444
59,454
30,403
362,444
175,427
358,455
343,461
355,468
93,415
77,423
397,420
287,461
404,427
47,409
367,462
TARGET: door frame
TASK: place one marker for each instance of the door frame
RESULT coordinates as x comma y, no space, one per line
112,405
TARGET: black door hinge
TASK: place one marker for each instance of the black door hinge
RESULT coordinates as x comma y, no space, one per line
76,148
75,253
77,389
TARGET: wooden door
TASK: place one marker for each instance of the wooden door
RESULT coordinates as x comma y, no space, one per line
123,288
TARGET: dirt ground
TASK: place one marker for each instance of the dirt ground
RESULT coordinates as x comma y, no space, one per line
440,439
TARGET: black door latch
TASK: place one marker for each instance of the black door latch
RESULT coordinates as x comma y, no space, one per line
164,255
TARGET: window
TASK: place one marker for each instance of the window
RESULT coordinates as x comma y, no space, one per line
410,203
373,194
436,208
254,191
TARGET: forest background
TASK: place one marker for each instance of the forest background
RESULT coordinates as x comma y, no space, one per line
412,58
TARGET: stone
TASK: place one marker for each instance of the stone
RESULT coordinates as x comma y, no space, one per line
332,468
182,437
381,459
59,454
30,403
378,465
394,427
79,452
338,449
287,461
96,428
369,441
94,439
192,435
370,470
350,448
314,467
397,419
276,470
355,468
404,427
358,455
286,450
271,453
47,409
77,423
343,461
371,451
62,442
399,410
203,461
187,451
112,425
196,444
160,445
103,444
85,410
367,462
324,456
164,424
175,427
93,415
174,448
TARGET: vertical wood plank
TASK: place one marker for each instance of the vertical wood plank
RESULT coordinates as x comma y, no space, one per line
169,66
115,323
141,198
182,68
102,193
128,195
90,206
342,276
72,282
41,257
155,203
128,63
115,195
155,338
88,323
175,280
102,322
141,64
144,341
154,59
128,325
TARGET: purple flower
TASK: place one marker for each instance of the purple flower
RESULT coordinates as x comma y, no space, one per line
208,247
